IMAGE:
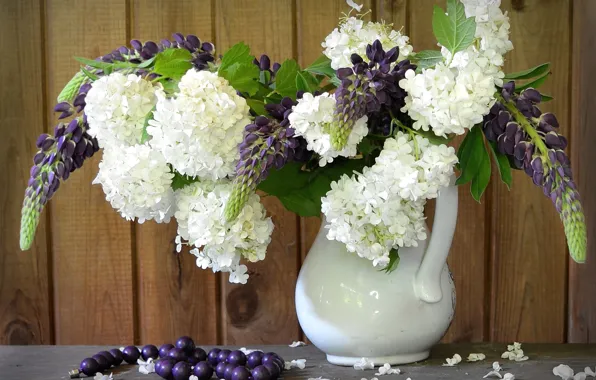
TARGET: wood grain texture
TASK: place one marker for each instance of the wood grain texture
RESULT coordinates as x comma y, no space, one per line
24,276
263,310
468,253
581,312
174,297
90,241
529,258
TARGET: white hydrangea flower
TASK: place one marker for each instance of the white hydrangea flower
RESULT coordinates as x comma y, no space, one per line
353,35
223,244
137,183
492,26
146,367
387,370
514,352
363,364
362,213
566,373
199,129
476,357
116,107
451,362
589,372
413,167
311,118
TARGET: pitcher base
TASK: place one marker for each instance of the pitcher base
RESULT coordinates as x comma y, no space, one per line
379,360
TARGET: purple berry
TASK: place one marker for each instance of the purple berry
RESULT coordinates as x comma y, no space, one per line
102,361
203,371
149,351
117,354
177,354
89,366
254,359
181,371
109,357
220,369
186,344
240,373
164,349
163,367
223,355
273,368
131,354
212,357
228,371
197,355
237,358
261,373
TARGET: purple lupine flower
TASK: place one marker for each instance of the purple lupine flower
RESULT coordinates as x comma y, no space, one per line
531,139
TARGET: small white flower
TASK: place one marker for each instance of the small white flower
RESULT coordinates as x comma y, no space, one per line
509,376
240,275
452,361
298,363
363,364
387,370
497,366
589,372
354,6
476,357
247,351
193,377
297,344
566,373
99,376
146,367
514,352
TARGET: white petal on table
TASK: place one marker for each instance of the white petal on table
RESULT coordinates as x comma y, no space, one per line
297,344
452,361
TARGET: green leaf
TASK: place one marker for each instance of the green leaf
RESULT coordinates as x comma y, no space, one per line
529,73
366,147
89,74
480,182
533,84
239,53
502,164
257,106
264,77
180,180
301,204
243,77
144,135
321,66
427,58
172,63
393,261
285,180
285,78
434,139
147,63
93,63
470,154
546,98
71,90
453,30
304,82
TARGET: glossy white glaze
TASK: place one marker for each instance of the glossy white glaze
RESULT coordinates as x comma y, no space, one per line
350,309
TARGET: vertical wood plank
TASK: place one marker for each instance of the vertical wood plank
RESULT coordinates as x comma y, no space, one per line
528,244
582,281
467,258
315,20
174,296
262,311
91,243
24,285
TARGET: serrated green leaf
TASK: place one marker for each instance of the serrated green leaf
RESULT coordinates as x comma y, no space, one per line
285,78
257,106
502,163
144,135
482,178
427,58
180,180
172,63
321,66
147,63
243,77
453,30
533,84
529,73
89,74
470,155
71,90
304,82
239,53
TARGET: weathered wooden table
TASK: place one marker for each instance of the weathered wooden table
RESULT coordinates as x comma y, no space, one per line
54,362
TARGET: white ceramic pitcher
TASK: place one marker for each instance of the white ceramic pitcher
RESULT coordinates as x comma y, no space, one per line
350,309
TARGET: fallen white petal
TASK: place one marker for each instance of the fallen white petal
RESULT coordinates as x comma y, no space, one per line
193,377
589,372
363,364
476,357
353,5
247,351
299,363
297,344
453,361
509,376
563,371
288,365
99,376
521,359
580,376
317,378
497,366
493,374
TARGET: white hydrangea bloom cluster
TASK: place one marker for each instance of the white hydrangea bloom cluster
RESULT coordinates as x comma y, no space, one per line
414,168
310,118
198,130
354,34
137,182
454,95
362,213
221,244
116,107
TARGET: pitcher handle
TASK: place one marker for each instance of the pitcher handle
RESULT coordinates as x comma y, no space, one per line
427,281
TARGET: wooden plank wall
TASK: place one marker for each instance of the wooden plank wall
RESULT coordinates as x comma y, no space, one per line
93,278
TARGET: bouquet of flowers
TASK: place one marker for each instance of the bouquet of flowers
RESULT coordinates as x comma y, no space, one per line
360,135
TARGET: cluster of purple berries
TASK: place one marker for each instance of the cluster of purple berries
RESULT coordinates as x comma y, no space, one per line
184,359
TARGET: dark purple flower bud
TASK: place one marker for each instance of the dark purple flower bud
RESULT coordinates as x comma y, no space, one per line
34,172
275,67
47,144
85,88
356,59
59,130
69,148
79,101
52,158
74,124
344,72
65,114
261,121
532,95
537,165
178,37
508,90
553,141
60,169
146,54
251,138
136,44
80,147
41,139
264,62
550,119
552,156
89,149
62,107
38,158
